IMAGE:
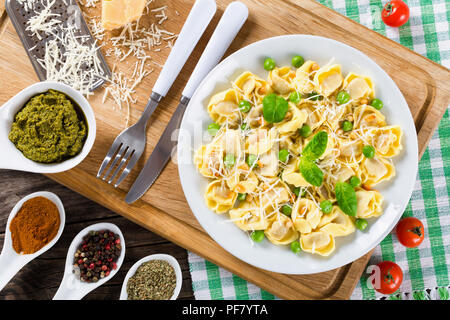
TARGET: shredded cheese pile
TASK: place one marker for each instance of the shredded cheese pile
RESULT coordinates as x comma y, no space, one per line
44,22
28,5
134,41
72,59
69,58
78,64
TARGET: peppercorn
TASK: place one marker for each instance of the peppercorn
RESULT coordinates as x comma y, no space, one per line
97,255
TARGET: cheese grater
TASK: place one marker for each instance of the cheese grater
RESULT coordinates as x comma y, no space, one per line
66,11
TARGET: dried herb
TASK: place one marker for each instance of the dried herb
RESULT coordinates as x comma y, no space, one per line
97,255
153,280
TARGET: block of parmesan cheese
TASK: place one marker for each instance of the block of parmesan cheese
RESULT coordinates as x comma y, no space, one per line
117,13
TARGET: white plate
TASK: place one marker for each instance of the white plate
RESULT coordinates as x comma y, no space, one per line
266,255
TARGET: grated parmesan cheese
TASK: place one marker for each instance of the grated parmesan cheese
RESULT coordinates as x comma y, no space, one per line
43,22
77,64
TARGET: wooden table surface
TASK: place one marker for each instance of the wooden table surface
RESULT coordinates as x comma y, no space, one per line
40,278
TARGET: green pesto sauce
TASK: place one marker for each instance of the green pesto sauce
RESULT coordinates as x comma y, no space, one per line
49,128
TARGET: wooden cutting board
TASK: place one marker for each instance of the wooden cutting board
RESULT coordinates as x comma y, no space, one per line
164,209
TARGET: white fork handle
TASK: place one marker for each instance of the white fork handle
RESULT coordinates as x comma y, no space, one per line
229,25
199,18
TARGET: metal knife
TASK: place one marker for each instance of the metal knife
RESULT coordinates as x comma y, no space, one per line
229,25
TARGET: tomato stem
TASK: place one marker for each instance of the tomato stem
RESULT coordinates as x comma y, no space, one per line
388,278
389,7
416,230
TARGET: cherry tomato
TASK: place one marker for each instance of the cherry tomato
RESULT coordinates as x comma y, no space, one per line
410,232
391,277
395,13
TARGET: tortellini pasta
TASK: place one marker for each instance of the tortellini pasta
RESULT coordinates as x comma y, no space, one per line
253,161
281,80
208,159
250,85
386,140
261,141
376,170
302,81
249,217
219,198
337,223
293,176
367,116
350,151
369,204
281,230
295,119
358,86
223,107
328,79
315,115
306,216
318,242
242,180
273,194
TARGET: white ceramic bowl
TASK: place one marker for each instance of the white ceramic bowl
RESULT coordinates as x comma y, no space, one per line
10,261
71,288
266,255
14,159
171,260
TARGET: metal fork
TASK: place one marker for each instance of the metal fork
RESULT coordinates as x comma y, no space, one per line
130,144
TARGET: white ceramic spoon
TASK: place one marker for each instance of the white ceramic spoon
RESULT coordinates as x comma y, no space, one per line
171,260
12,158
10,261
71,287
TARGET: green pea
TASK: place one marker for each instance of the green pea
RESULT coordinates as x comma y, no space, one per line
297,192
251,159
295,247
377,104
243,126
213,128
229,160
298,61
269,64
343,97
305,131
361,224
315,96
326,206
347,126
295,97
241,196
286,209
355,181
283,155
257,235
245,106
369,151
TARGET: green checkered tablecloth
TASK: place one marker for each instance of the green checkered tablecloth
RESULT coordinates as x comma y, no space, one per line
426,268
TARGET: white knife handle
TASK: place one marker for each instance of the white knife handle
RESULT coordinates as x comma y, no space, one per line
229,25
199,18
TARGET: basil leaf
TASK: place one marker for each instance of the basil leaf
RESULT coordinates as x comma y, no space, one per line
274,108
346,198
317,146
311,172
